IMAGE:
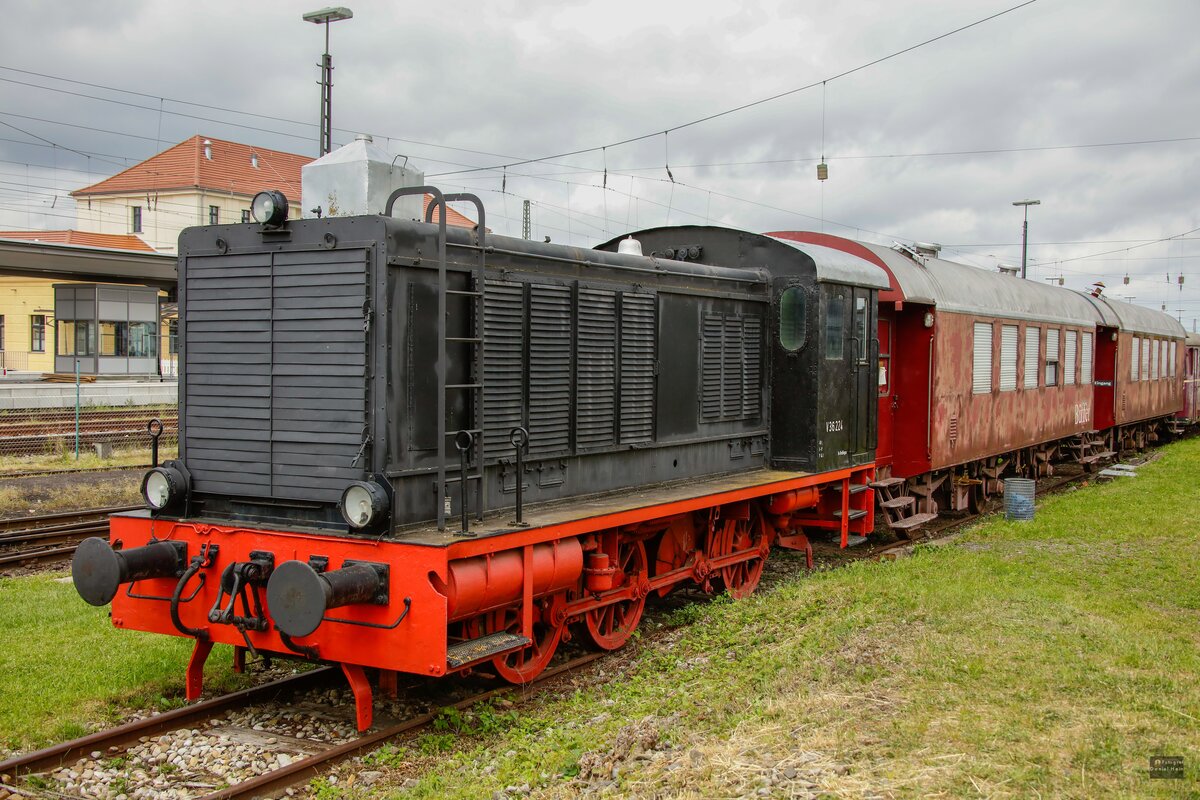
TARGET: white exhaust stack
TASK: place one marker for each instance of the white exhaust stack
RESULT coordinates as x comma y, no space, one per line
356,179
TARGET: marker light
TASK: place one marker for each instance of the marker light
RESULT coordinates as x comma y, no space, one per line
163,487
363,504
269,208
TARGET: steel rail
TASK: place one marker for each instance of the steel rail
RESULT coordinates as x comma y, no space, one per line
41,521
307,768
61,754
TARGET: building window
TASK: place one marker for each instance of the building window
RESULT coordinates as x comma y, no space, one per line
75,337
214,215
1,331
37,333
1052,356
982,366
1033,340
245,215
173,336
135,219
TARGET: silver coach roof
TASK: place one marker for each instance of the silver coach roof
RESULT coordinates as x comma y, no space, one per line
1193,340
1139,319
951,286
837,266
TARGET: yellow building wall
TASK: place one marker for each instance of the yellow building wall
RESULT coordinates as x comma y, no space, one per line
21,299
164,215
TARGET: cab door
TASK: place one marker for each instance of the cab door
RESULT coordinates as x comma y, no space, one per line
865,354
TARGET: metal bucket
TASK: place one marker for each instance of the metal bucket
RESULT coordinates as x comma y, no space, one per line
1018,498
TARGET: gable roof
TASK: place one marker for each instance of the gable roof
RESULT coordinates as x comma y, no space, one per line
231,169
109,241
452,217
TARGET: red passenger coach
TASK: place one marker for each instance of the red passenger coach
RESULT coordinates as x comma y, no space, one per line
1191,379
983,375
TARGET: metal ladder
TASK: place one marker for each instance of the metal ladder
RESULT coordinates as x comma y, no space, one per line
469,441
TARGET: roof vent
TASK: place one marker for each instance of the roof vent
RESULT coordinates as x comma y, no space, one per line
1008,269
928,249
630,246
254,160
364,137
208,149
913,253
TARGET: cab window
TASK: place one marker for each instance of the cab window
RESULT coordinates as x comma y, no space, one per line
834,321
792,319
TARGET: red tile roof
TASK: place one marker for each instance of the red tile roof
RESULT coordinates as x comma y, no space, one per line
110,241
230,169
452,216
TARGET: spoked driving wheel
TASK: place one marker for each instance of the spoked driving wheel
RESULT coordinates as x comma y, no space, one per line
739,536
611,626
522,666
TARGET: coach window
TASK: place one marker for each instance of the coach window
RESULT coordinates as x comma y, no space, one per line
1069,360
885,357
1085,358
834,323
863,338
1008,358
1052,356
792,319
1154,373
1145,359
1033,339
981,366
1133,362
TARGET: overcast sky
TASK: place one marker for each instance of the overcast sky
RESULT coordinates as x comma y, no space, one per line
457,86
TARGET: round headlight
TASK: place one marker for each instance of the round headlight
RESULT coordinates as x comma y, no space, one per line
269,208
163,487
363,504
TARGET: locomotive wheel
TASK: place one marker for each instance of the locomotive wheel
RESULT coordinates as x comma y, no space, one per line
676,548
736,536
522,666
978,497
611,626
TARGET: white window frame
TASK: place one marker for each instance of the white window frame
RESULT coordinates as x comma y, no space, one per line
1053,371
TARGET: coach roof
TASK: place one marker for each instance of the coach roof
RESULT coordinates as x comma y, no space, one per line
1137,319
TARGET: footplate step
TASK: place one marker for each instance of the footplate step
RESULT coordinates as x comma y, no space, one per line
463,653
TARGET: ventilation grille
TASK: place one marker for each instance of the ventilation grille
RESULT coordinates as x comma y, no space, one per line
503,363
597,369
275,362
731,367
549,369
637,368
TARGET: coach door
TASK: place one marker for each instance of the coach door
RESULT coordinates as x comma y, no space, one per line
865,346
846,424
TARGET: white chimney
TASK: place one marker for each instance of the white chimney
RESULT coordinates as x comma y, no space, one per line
208,149
254,160
357,179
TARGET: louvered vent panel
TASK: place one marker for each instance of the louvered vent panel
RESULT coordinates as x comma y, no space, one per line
503,363
731,362
751,366
275,360
1033,338
982,361
596,370
710,366
549,369
1085,359
1008,358
637,368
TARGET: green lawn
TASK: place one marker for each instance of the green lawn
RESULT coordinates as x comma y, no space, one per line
1051,658
65,670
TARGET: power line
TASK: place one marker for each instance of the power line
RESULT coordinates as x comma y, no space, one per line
752,104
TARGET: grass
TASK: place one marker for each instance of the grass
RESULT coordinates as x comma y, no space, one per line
1051,658
65,670
65,460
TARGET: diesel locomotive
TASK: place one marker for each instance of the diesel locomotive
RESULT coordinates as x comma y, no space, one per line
411,448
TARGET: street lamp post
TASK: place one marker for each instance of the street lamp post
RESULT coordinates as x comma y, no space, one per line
1025,231
324,17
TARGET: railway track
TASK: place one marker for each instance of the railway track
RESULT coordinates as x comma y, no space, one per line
111,745
49,538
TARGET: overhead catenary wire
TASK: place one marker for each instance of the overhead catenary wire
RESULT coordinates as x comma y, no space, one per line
761,101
